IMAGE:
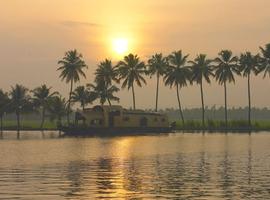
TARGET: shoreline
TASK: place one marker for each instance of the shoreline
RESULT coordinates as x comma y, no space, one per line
187,130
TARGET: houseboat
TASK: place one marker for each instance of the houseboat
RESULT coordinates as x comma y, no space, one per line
115,120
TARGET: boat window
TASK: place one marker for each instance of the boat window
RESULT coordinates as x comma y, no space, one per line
98,109
96,122
143,122
125,119
155,119
115,113
163,119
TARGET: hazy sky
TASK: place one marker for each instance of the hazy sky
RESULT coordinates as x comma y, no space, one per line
34,34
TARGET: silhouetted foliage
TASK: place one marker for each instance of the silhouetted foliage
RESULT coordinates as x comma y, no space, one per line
71,67
103,92
20,101
57,109
201,70
131,70
265,62
4,105
177,74
157,65
82,95
249,64
225,70
41,97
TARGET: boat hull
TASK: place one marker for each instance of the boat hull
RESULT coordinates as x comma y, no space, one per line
79,131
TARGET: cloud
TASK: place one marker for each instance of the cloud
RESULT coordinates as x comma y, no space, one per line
78,23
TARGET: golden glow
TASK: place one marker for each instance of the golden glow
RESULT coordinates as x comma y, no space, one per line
120,46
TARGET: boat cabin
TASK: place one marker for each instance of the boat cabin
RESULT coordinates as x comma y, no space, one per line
118,117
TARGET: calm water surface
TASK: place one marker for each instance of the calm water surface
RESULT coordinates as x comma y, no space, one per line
175,166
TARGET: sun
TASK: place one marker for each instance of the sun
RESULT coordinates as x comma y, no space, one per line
120,45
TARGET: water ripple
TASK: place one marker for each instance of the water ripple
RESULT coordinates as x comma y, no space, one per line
158,167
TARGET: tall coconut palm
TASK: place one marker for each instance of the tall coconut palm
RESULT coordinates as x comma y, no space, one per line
41,96
224,73
103,93
177,74
57,109
131,70
71,67
20,101
249,64
82,95
157,65
106,72
201,70
265,67
4,102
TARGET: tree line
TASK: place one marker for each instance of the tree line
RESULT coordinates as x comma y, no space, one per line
176,70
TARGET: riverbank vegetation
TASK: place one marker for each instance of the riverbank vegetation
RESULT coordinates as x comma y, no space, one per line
176,70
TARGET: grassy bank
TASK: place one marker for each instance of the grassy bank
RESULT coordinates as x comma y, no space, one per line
190,125
28,125
211,125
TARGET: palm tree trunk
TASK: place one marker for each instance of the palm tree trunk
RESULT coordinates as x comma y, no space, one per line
157,92
109,101
1,123
226,111
179,104
18,124
83,106
133,94
59,124
249,103
42,118
203,111
69,100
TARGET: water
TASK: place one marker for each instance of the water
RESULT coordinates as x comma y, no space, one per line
175,166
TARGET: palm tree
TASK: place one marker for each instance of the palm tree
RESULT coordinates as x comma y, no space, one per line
57,109
265,60
4,101
82,95
103,93
177,74
249,64
131,70
41,96
71,68
201,69
106,72
224,72
157,65
20,101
